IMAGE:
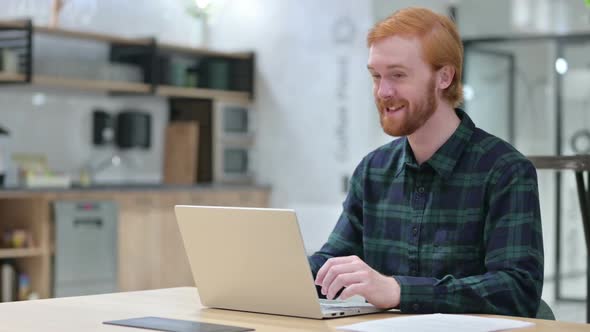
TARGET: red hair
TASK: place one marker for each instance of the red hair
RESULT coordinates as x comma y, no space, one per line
441,43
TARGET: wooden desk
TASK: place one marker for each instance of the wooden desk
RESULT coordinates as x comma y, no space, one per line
86,313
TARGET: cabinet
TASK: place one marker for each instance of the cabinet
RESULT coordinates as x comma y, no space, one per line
158,68
150,251
30,214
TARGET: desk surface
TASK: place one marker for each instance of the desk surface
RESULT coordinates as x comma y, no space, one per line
86,313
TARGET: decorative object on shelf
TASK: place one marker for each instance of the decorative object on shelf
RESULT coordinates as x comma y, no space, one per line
80,10
24,287
33,172
181,151
8,281
201,10
56,7
17,239
9,59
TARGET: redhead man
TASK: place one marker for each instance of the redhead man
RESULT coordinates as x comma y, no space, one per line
446,217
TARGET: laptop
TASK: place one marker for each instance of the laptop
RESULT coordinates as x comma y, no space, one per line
253,259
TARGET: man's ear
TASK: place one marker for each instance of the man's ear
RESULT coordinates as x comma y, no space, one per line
445,77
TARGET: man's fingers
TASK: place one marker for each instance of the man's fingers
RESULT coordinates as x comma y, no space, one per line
334,272
319,279
352,290
345,280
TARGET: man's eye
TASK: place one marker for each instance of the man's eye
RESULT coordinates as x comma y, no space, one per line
399,75
376,77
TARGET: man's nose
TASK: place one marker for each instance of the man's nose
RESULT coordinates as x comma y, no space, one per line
385,90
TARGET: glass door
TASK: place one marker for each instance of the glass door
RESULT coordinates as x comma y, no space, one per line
489,90
573,69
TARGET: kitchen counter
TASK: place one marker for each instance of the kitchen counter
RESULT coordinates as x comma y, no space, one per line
150,250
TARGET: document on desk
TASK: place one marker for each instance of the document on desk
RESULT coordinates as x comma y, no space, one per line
437,323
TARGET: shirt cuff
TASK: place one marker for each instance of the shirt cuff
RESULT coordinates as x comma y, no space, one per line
418,295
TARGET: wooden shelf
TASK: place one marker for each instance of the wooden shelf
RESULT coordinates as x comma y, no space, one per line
129,87
17,24
174,91
92,36
21,252
91,85
11,77
203,51
82,84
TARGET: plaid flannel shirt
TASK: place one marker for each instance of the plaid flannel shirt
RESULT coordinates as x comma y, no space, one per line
461,233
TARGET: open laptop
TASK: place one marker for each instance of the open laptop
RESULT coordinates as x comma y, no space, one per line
253,259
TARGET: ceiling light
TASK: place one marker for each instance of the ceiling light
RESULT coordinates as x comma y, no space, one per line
561,66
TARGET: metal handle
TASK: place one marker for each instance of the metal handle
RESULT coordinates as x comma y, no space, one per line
88,222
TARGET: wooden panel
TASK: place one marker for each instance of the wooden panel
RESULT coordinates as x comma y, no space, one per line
203,51
181,153
91,36
91,85
139,243
17,253
11,77
174,91
175,270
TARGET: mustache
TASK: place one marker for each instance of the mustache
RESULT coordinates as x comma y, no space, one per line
386,103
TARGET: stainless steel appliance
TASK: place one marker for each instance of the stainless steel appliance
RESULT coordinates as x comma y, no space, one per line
85,260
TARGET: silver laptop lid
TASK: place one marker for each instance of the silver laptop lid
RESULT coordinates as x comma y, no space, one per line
248,259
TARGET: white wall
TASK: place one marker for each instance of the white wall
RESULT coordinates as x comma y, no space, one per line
312,97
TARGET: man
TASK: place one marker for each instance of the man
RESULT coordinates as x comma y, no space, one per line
445,218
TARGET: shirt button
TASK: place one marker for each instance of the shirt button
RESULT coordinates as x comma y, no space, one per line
416,306
421,190
415,230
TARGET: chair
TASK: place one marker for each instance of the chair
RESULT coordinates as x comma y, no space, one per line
544,311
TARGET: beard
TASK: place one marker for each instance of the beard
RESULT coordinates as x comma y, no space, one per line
414,115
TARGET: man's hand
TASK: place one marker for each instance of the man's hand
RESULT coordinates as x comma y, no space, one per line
358,278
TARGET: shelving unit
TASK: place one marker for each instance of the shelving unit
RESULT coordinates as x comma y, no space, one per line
21,252
30,214
214,75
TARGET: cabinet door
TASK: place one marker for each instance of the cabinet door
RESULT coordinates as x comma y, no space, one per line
175,270
139,242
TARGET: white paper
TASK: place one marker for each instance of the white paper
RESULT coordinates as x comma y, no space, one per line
437,323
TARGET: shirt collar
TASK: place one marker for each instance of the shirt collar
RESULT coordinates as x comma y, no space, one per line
443,161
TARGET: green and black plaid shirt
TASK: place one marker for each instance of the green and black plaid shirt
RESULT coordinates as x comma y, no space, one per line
461,233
